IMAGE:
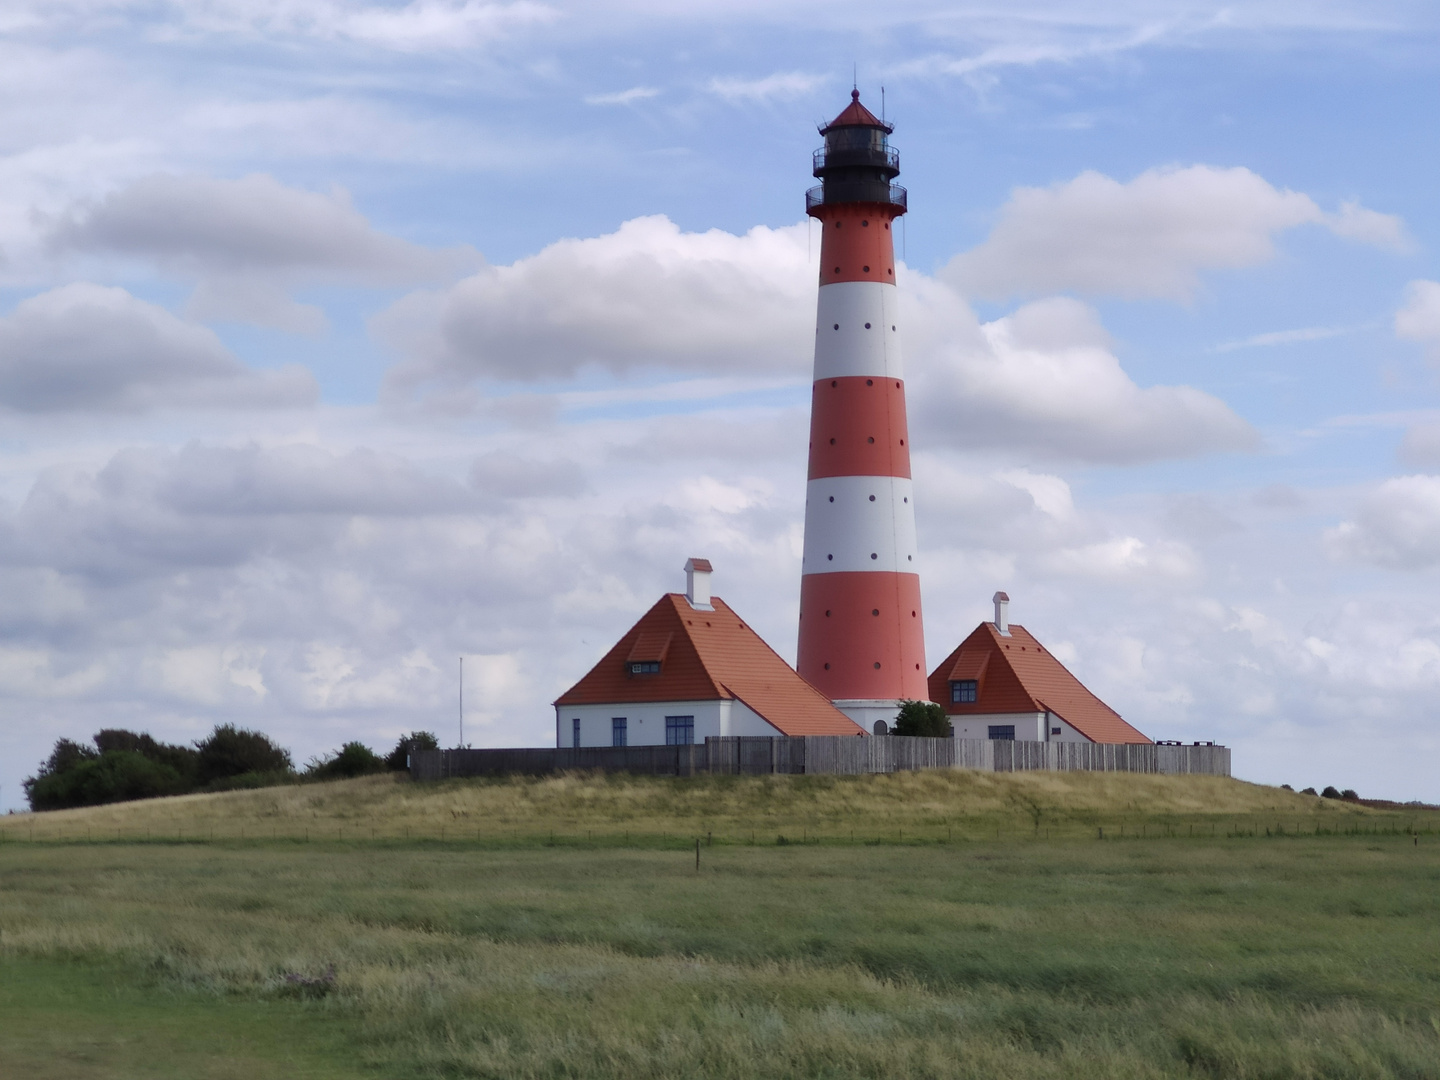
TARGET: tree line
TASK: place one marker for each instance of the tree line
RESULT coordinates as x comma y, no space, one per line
122,766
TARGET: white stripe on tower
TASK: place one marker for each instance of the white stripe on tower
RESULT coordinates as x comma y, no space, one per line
861,630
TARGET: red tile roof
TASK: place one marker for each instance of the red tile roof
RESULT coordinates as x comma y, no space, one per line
855,115
707,656
1017,674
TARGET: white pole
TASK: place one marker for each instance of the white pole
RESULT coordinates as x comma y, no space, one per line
462,702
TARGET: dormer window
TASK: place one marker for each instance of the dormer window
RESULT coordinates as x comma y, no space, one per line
645,667
964,691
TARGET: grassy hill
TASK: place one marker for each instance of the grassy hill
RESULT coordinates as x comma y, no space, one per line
913,807
950,938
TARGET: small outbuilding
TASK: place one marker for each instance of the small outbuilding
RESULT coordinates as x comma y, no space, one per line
692,668
1001,683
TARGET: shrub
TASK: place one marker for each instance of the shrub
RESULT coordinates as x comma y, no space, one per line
125,766
1308,791
353,759
182,759
1330,793
923,718
1286,787
113,776
232,751
128,766
1349,795
66,756
399,758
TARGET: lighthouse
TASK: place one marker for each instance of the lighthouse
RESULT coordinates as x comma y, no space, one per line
861,629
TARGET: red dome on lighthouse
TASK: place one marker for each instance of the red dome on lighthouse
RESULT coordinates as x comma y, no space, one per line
856,115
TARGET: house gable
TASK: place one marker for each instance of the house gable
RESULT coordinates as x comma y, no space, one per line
705,655
1016,674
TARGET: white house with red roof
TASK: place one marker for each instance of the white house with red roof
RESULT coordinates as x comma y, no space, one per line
692,668
1001,683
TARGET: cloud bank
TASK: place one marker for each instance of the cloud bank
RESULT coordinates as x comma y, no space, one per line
1396,526
650,298
248,243
85,347
1147,237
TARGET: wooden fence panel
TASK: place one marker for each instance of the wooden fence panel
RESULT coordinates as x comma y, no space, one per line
826,755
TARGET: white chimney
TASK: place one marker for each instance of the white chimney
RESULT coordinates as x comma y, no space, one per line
1002,613
697,583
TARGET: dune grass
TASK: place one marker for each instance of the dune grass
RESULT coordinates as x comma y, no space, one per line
914,806
1243,956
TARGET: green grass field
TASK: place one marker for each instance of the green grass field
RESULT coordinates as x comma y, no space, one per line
499,952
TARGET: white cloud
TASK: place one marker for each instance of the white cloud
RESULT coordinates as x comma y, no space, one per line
1148,237
623,97
89,347
1284,337
1122,558
1051,494
248,242
1396,526
644,297
1044,380
650,297
421,25
777,87
509,475
1355,222
1420,446
1419,317
209,675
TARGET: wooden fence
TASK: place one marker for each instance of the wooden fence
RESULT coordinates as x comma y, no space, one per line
830,755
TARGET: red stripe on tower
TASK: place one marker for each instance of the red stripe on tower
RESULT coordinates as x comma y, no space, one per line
861,631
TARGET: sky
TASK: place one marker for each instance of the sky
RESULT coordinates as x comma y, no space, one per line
342,340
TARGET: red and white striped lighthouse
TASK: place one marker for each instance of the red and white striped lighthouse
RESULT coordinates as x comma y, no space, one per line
861,637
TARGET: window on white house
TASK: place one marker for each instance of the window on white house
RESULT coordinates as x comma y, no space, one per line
575,732
1054,731
1002,731
963,690
618,725
679,730
645,667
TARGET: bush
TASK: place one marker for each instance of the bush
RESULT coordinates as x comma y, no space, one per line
922,718
399,758
124,766
127,766
66,756
1308,791
232,751
113,776
1330,793
1286,787
1349,795
182,759
354,759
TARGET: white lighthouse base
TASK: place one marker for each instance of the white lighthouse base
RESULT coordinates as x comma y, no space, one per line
865,711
